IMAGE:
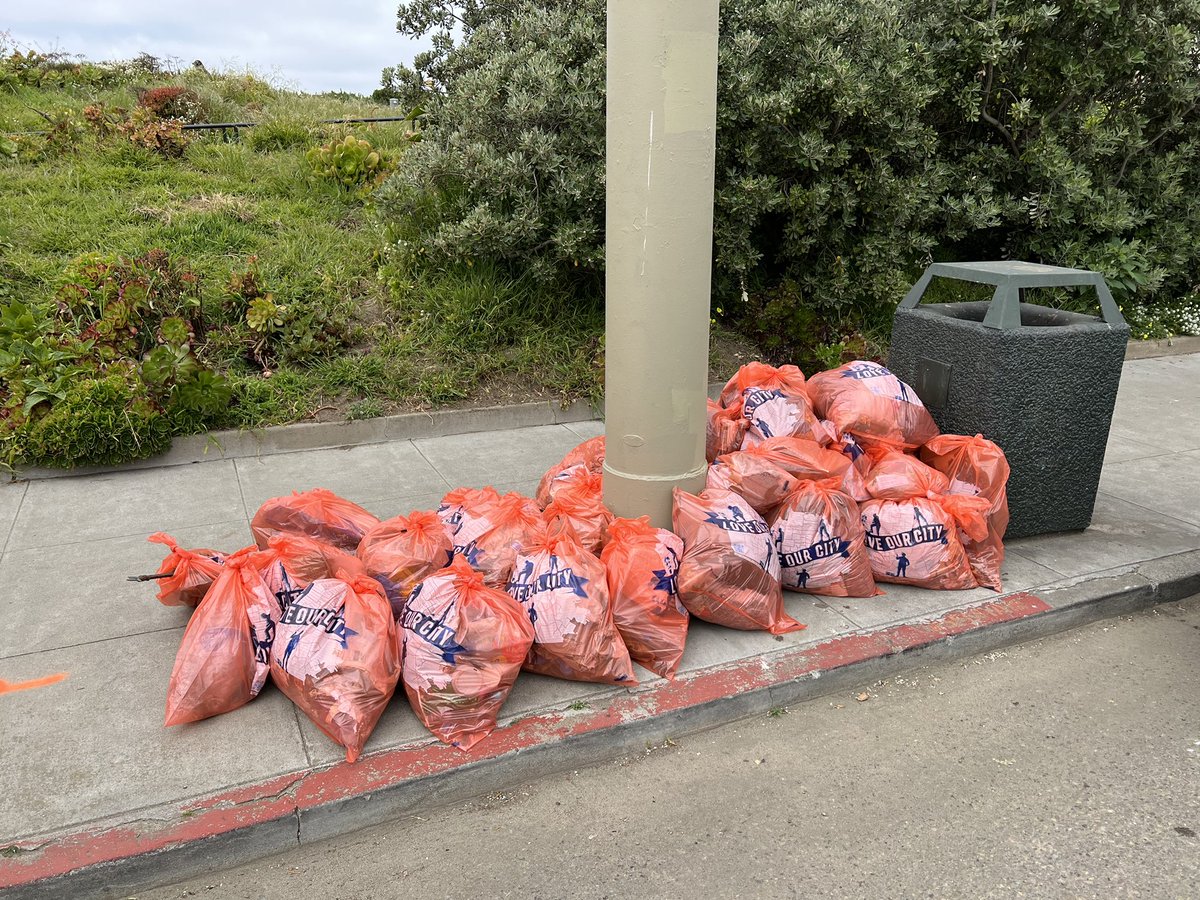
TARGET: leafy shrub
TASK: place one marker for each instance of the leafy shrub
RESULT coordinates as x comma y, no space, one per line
511,166
855,143
119,304
162,136
350,163
172,102
108,374
102,119
29,68
102,420
301,331
188,393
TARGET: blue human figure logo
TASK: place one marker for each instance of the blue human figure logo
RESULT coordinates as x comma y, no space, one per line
526,573
665,578
823,531
904,393
292,644
469,552
901,565
262,649
736,514
287,591
451,652
919,517
566,577
876,525
802,578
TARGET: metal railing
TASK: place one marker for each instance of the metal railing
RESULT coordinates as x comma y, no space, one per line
223,126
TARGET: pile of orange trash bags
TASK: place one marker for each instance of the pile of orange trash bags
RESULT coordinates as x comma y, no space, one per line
824,486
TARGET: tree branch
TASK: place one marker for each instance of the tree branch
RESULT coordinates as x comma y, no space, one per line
990,71
1150,143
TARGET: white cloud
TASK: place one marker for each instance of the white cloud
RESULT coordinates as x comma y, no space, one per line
315,46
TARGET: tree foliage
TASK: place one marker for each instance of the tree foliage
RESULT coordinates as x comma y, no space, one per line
855,143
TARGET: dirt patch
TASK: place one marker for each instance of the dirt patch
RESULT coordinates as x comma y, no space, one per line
238,208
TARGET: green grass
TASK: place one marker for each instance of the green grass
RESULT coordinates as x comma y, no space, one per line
474,335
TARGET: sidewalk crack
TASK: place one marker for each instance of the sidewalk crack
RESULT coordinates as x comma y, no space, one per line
241,491
16,515
433,466
303,739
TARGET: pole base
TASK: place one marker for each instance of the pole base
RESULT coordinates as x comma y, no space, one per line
630,496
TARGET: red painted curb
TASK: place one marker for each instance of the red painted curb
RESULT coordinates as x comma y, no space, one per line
281,797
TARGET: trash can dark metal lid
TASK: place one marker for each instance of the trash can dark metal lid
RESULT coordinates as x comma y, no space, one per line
1010,277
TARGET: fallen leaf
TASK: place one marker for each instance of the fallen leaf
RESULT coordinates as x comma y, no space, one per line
863,697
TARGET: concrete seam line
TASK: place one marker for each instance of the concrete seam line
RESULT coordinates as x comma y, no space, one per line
694,473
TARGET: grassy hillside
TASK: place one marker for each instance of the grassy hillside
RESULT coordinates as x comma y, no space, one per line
157,282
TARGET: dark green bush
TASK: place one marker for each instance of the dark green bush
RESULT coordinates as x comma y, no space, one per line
856,143
108,374
104,420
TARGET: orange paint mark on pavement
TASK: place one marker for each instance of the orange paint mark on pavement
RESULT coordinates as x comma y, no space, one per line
10,687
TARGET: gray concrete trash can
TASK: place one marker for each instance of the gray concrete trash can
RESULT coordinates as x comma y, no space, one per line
1038,381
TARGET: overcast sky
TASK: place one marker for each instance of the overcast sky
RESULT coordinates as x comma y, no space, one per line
313,45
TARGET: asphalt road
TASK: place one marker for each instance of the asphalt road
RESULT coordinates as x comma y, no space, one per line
1067,767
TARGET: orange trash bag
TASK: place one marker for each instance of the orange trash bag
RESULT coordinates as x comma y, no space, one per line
589,454
752,477
725,431
491,533
801,458
868,401
580,504
774,403
460,501
912,526
976,467
729,573
336,655
403,551
223,659
292,562
765,473
642,563
464,643
855,481
563,589
565,478
189,573
318,513
820,541
895,475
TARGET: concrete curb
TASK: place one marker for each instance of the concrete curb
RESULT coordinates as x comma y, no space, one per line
180,840
216,445
234,444
1172,346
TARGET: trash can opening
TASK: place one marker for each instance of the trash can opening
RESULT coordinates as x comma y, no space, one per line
1032,315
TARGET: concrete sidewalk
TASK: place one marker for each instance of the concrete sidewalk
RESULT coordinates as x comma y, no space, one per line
90,780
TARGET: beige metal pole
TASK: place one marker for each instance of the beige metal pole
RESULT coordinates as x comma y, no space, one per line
661,122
